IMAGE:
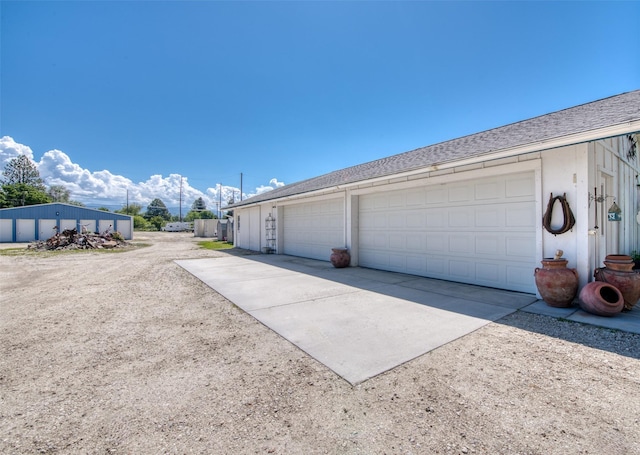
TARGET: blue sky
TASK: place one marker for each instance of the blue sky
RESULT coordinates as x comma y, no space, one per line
117,96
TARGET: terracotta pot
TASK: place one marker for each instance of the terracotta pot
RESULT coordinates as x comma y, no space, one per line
340,257
557,284
618,258
601,299
620,262
619,266
628,283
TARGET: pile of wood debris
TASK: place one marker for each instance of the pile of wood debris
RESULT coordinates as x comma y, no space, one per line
69,239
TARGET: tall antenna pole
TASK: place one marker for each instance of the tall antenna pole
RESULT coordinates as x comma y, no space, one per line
181,198
220,202
241,186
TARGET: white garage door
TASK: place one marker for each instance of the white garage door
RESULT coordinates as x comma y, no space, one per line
46,229
480,232
312,229
249,228
6,231
25,230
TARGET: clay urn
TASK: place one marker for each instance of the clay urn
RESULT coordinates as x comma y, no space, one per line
557,284
619,262
601,299
626,281
340,257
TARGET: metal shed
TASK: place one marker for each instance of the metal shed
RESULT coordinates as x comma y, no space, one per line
38,222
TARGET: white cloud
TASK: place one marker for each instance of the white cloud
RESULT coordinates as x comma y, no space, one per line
96,188
273,184
9,149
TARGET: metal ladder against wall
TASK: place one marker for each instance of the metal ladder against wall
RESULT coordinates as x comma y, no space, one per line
270,228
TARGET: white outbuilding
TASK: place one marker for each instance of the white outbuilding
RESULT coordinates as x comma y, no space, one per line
471,209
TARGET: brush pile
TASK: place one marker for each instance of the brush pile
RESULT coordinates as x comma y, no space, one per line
69,239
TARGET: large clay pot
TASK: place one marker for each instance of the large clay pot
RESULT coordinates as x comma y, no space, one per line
601,299
557,284
620,262
628,283
340,257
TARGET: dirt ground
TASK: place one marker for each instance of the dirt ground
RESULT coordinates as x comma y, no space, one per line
127,353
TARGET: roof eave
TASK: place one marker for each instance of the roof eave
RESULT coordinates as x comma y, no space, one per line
629,127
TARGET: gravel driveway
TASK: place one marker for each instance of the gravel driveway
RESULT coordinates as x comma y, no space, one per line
128,353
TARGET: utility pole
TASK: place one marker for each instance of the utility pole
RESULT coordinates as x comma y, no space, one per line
220,202
181,198
241,187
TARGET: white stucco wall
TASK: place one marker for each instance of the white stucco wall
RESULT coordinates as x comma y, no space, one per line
565,171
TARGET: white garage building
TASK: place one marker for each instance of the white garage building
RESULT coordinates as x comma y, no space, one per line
470,209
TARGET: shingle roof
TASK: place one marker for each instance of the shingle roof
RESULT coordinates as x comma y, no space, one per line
603,113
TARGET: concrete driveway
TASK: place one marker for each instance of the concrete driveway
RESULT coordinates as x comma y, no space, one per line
358,322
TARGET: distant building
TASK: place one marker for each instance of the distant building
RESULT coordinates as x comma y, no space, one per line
41,222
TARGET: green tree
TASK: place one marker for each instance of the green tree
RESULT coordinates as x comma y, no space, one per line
157,208
157,222
21,184
139,222
204,215
19,194
21,170
131,209
59,193
199,205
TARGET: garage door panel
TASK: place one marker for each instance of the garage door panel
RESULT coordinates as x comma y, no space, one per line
460,218
381,241
488,272
436,196
414,219
522,186
416,264
399,200
415,241
398,262
488,245
460,194
519,275
461,244
397,242
461,269
437,218
436,242
520,215
312,229
479,232
486,191
522,248
489,218
375,259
